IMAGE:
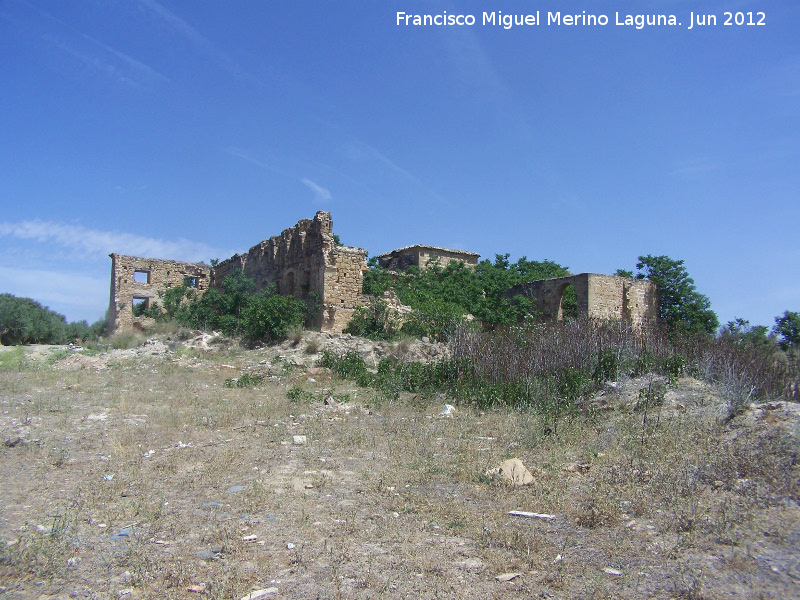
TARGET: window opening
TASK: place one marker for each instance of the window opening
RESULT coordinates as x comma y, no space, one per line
139,305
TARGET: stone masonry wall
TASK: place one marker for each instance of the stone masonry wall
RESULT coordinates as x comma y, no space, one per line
153,275
419,255
633,301
304,259
301,260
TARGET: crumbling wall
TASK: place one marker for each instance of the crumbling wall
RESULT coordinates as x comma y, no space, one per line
421,256
137,280
303,260
634,301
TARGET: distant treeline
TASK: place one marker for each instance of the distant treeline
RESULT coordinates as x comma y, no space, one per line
25,321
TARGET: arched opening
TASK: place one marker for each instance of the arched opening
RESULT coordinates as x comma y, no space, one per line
568,305
305,282
289,288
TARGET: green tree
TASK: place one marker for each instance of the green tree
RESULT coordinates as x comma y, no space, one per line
788,327
25,321
268,316
377,279
681,305
478,291
740,330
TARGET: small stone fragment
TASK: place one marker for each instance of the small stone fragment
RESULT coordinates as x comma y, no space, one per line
512,471
531,515
260,593
299,440
200,588
575,467
447,411
610,571
507,576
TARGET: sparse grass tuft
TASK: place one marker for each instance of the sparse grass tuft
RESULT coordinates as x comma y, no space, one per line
312,346
295,334
124,340
14,359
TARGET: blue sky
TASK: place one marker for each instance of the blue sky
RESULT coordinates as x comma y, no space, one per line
195,129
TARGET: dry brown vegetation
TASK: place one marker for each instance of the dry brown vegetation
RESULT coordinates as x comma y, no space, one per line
141,475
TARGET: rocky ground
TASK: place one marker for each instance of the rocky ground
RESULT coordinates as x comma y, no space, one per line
147,473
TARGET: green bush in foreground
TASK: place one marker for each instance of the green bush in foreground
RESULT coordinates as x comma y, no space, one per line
235,309
556,368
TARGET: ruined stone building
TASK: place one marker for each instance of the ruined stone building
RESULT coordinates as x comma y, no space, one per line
633,301
304,260
301,260
423,256
136,280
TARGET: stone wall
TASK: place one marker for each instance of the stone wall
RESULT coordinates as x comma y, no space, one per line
137,280
302,260
633,301
422,256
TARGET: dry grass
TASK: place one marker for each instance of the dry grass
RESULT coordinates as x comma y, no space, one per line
145,477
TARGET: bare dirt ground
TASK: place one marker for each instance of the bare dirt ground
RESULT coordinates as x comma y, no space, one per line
139,474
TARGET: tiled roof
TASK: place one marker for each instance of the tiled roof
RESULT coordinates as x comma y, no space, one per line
423,246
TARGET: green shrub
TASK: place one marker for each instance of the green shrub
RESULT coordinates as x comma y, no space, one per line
477,291
674,367
573,383
644,363
298,394
235,309
374,321
433,318
348,366
268,316
245,380
607,368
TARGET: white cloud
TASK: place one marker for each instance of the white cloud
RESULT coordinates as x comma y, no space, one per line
198,40
321,195
692,169
176,23
95,54
358,151
253,159
143,70
91,241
